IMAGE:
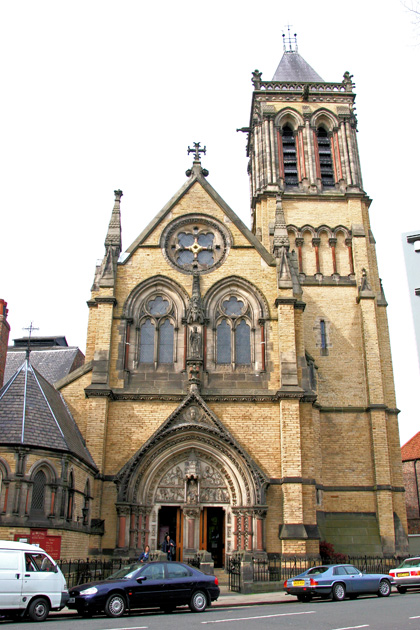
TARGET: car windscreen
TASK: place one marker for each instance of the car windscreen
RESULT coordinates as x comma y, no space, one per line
126,572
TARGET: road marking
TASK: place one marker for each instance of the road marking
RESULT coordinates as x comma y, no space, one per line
418,617
308,612
352,627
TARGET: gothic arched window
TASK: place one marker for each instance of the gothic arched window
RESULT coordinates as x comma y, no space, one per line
325,158
38,492
157,331
289,156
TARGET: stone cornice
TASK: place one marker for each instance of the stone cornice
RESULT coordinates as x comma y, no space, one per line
373,488
106,299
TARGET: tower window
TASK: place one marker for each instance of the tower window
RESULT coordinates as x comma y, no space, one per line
224,344
325,158
289,157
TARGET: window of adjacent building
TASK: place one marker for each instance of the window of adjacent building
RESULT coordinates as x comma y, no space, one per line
38,491
325,158
289,157
70,497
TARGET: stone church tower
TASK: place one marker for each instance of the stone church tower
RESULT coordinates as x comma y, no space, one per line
238,391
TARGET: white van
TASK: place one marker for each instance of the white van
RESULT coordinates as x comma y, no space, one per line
30,581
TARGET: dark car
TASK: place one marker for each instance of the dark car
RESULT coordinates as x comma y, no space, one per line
157,584
337,581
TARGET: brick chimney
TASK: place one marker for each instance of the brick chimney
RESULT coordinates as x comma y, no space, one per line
4,338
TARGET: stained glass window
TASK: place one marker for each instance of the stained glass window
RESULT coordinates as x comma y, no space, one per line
224,351
147,342
243,344
233,306
185,240
206,240
185,257
158,306
205,258
38,491
166,342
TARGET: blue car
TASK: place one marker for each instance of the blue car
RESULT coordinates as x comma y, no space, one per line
163,585
337,581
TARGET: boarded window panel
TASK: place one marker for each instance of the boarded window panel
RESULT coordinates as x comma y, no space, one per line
147,342
243,344
166,342
289,157
38,491
224,351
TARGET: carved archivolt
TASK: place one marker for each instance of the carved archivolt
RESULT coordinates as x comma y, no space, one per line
192,459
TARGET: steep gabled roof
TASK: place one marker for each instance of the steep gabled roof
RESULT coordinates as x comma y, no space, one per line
293,67
197,176
34,414
54,362
411,449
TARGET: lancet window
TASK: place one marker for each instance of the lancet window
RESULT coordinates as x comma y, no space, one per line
233,332
38,492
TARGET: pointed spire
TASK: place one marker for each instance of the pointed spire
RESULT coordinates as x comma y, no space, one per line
113,237
292,66
281,238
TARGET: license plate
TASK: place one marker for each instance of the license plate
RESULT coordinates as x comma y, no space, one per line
298,582
71,600
406,574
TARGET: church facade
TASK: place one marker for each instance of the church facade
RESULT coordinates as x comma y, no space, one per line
238,388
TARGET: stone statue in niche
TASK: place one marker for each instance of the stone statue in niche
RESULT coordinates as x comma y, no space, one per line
195,342
192,492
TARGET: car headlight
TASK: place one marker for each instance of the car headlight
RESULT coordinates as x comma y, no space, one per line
89,591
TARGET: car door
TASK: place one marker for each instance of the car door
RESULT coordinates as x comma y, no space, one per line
179,584
359,583
340,575
151,591
41,577
11,579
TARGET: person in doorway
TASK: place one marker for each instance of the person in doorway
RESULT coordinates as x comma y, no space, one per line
145,556
168,547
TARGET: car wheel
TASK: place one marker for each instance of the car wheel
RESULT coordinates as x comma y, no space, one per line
384,588
115,606
304,598
38,609
338,592
402,589
198,601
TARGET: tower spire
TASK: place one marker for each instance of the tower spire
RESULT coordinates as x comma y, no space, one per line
113,237
106,272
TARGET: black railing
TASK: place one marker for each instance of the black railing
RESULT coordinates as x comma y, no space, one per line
278,568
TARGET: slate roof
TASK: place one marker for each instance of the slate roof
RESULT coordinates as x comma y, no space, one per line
54,363
411,449
34,414
293,67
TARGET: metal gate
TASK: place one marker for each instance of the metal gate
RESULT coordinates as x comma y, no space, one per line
234,572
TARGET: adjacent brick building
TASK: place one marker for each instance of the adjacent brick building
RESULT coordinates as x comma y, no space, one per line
238,388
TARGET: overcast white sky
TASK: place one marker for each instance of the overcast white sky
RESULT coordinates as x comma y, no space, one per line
99,95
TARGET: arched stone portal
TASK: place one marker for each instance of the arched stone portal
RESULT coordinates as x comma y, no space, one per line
193,465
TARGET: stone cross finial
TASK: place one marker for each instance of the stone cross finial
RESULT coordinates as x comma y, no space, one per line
196,150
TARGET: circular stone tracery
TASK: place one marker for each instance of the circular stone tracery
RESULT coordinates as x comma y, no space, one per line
195,244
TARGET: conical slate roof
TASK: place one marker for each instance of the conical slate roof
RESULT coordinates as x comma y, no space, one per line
293,67
34,414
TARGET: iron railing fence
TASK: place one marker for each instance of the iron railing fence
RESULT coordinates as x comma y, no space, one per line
278,568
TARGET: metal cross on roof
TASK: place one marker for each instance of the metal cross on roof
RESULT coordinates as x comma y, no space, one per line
196,150
30,328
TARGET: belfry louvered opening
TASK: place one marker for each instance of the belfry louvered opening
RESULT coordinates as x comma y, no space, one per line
289,156
325,158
